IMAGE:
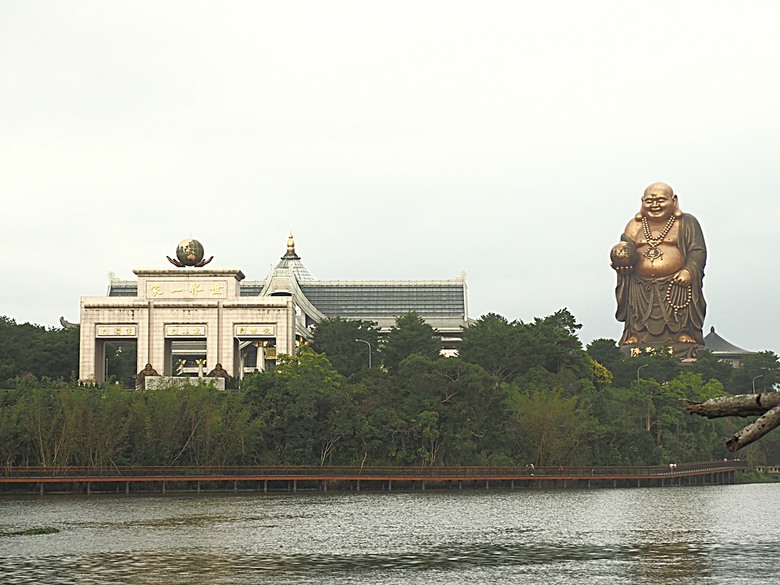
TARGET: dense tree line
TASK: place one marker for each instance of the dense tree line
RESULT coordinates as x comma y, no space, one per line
519,393
31,350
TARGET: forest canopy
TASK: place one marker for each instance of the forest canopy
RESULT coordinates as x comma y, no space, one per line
519,393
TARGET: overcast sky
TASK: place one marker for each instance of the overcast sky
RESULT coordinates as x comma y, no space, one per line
396,140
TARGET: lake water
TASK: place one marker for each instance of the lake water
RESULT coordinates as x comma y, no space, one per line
675,535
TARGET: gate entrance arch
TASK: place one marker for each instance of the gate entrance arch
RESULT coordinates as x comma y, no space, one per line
187,319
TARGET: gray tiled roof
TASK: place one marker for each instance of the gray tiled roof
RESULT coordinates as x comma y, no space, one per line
251,288
442,303
715,344
362,299
300,271
123,288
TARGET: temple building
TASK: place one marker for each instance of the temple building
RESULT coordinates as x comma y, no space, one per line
724,350
186,319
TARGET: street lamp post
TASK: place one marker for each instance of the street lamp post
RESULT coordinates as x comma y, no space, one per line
639,368
369,350
754,382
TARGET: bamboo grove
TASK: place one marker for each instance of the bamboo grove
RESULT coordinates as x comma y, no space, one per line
519,393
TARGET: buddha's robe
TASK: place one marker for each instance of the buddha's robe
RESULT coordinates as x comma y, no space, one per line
643,305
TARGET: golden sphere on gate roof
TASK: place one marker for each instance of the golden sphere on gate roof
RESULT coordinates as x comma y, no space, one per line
189,252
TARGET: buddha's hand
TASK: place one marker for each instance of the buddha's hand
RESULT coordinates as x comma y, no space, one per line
682,278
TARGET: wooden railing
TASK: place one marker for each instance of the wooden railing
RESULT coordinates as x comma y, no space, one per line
14,474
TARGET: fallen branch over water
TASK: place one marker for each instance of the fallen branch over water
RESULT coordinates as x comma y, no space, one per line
765,405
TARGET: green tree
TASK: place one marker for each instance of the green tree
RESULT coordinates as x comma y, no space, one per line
601,376
760,370
308,410
710,367
547,428
658,365
621,433
508,350
15,439
557,346
410,335
606,352
677,435
496,345
338,339
385,436
159,424
43,421
454,410
33,349
103,428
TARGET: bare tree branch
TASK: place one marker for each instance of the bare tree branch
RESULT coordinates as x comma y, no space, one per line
766,405
755,430
739,405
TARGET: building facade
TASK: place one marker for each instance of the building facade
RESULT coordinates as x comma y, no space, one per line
185,320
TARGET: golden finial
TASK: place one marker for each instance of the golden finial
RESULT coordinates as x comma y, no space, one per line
290,244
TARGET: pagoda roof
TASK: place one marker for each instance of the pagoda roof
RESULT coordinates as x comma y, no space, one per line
715,344
441,303
291,261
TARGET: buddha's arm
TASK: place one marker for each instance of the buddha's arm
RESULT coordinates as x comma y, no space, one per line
694,248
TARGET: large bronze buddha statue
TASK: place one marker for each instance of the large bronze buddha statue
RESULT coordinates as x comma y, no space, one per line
660,267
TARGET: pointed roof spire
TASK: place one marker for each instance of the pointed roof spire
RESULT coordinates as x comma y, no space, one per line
291,255
292,261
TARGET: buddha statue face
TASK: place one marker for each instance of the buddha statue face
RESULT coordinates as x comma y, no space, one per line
659,202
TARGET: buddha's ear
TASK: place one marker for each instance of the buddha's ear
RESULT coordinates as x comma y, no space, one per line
677,212
638,216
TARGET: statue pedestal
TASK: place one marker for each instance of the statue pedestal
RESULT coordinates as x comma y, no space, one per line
682,351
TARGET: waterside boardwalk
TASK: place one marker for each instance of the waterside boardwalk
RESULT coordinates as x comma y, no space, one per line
289,478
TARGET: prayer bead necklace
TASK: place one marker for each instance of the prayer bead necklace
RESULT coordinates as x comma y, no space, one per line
653,253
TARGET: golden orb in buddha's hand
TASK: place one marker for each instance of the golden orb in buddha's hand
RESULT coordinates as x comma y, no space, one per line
624,254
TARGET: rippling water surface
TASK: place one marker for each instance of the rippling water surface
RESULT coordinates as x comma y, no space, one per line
713,534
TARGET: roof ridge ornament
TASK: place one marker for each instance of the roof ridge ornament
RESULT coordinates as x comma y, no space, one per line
291,249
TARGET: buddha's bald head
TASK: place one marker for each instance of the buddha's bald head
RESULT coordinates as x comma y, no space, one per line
659,187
